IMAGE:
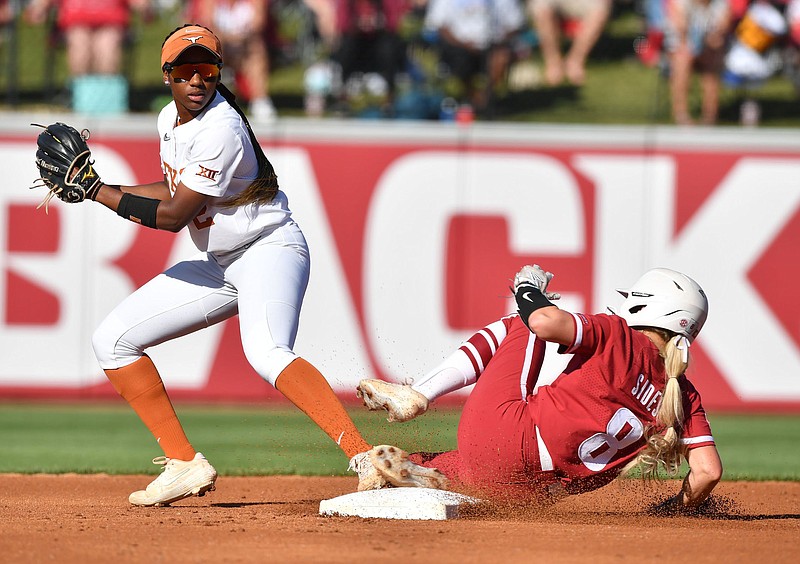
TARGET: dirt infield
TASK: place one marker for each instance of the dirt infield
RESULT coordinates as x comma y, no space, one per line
76,518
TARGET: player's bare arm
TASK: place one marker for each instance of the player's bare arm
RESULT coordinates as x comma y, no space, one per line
177,212
109,194
172,213
552,324
705,470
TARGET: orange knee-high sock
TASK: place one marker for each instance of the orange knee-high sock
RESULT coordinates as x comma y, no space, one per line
141,386
305,387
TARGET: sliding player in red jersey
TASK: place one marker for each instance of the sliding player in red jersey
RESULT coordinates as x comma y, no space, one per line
622,401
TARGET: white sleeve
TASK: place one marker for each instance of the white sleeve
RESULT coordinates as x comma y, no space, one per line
463,367
212,160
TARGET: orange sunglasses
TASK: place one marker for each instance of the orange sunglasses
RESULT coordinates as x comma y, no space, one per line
182,73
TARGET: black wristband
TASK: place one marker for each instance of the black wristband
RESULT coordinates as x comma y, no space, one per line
138,209
529,299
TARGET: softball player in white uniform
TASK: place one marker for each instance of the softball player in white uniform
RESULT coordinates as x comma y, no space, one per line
252,260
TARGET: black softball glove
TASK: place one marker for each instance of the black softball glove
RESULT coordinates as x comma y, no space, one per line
65,164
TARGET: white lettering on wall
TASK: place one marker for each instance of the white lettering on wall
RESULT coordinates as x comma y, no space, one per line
718,246
405,238
329,335
405,330
60,354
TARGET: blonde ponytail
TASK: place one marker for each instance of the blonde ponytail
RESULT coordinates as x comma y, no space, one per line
666,449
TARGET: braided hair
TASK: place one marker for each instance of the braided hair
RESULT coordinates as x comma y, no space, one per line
665,449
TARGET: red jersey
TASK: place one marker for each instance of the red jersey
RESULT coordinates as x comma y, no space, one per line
590,421
369,16
93,12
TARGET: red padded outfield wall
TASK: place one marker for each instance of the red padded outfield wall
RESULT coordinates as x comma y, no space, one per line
416,230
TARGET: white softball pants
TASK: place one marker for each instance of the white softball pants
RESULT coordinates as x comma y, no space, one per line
265,286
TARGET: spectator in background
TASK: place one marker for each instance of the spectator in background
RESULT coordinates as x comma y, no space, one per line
758,50
549,16
738,8
754,54
94,31
474,41
6,13
696,38
241,27
324,12
367,41
793,20
793,47
649,50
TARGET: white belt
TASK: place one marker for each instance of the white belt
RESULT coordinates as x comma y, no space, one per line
545,460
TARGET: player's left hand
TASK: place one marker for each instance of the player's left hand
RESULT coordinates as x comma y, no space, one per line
536,276
65,164
673,506
669,507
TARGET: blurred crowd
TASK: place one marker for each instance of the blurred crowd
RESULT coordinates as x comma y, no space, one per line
441,59
736,43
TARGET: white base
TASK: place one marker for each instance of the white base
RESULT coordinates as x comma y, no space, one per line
397,503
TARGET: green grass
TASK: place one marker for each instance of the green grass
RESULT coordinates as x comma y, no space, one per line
758,447
59,438
89,438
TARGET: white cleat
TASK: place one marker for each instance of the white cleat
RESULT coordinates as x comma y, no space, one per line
395,467
368,476
401,401
178,480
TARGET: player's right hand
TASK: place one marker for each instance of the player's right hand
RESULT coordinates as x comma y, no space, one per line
536,276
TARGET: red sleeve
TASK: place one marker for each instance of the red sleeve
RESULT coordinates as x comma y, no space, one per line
696,430
591,334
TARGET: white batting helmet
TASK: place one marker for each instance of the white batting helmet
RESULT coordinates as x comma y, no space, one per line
666,299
